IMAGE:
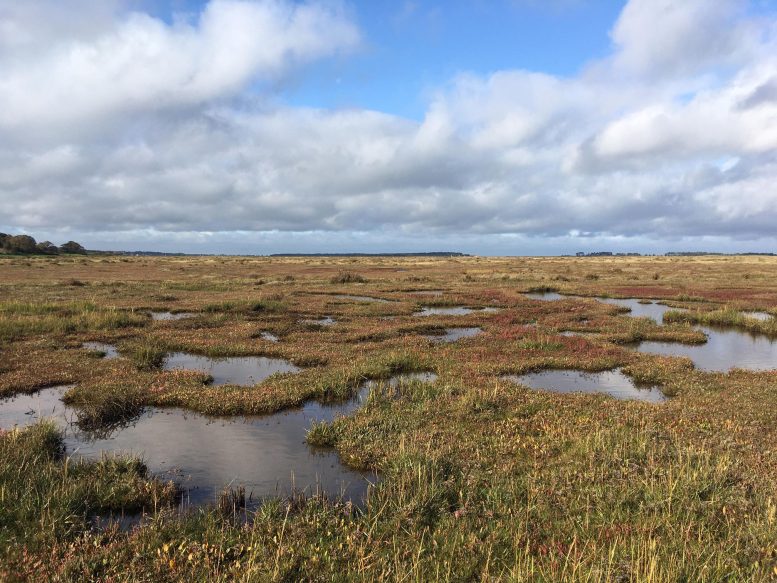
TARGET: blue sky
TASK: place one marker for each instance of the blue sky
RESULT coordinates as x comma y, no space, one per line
483,126
413,51
412,48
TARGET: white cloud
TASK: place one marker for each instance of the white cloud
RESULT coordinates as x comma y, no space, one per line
670,37
133,124
140,63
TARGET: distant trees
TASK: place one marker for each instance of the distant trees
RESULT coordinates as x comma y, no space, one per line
71,247
47,248
20,244
24,244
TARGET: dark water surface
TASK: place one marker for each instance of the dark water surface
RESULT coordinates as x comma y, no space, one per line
613,383
243,370
268,455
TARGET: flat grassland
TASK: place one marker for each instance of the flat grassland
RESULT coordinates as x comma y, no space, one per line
482,479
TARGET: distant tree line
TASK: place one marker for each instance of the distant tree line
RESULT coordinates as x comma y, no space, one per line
26,245
606,254
420,254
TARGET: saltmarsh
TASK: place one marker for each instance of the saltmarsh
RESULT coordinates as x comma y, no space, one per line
481,478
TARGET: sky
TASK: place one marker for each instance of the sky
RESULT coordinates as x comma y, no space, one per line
495,127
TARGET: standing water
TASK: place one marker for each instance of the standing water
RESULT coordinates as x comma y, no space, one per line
725,349
247,371
268,455
612,382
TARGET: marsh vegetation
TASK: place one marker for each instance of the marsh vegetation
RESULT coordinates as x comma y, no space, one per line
295,419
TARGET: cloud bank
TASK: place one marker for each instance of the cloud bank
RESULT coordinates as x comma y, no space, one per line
129,124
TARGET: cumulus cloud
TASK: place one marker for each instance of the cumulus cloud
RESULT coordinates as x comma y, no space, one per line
139,62
128,123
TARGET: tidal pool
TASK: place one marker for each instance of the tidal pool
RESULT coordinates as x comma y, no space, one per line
651,310
170,315
725,349
268,455
109,350
546,296
454,334
269,337
454,311
612,382
242,370
639,310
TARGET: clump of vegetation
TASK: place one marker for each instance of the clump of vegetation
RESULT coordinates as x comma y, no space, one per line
542,289
348,277
727,316
49,500
22,319
147,353
102,406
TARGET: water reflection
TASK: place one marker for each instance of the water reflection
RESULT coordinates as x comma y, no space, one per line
546,296
454,334
109,350
613,383
725,349
268,455
638,308
246,370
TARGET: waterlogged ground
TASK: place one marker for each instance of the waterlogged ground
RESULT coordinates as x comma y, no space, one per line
267,455
620,432
612,383
245,370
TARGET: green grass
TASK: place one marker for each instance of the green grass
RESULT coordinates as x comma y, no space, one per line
48,499
618,504
347,277
146,353
727,316
19,320
100,407
480,479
